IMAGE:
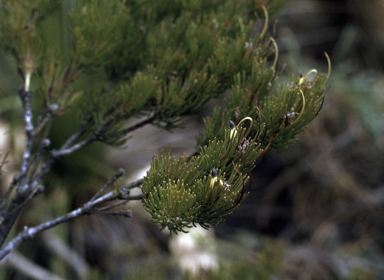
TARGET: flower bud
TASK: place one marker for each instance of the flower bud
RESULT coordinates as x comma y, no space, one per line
214,173
231,124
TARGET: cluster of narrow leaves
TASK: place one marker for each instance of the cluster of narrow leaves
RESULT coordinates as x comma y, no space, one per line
179,193
175,55
279,116
202,189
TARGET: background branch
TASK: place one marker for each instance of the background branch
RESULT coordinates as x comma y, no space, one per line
28,268
70,256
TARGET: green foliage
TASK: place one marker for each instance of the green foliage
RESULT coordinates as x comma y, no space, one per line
95,25
279,117
166,59
176,58
275,119
201,189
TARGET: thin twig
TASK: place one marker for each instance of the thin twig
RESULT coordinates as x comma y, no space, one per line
118,174
75,147
56,154
45,143
67,149
125,213
71,140
4,199
133,185
40,118
48,119
131,197
44,168
69,76
88,208
112,205
34,193
139,124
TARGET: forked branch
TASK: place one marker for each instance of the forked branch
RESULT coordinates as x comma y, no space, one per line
91,207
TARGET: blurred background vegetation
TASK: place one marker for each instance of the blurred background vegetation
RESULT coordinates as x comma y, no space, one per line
314,212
